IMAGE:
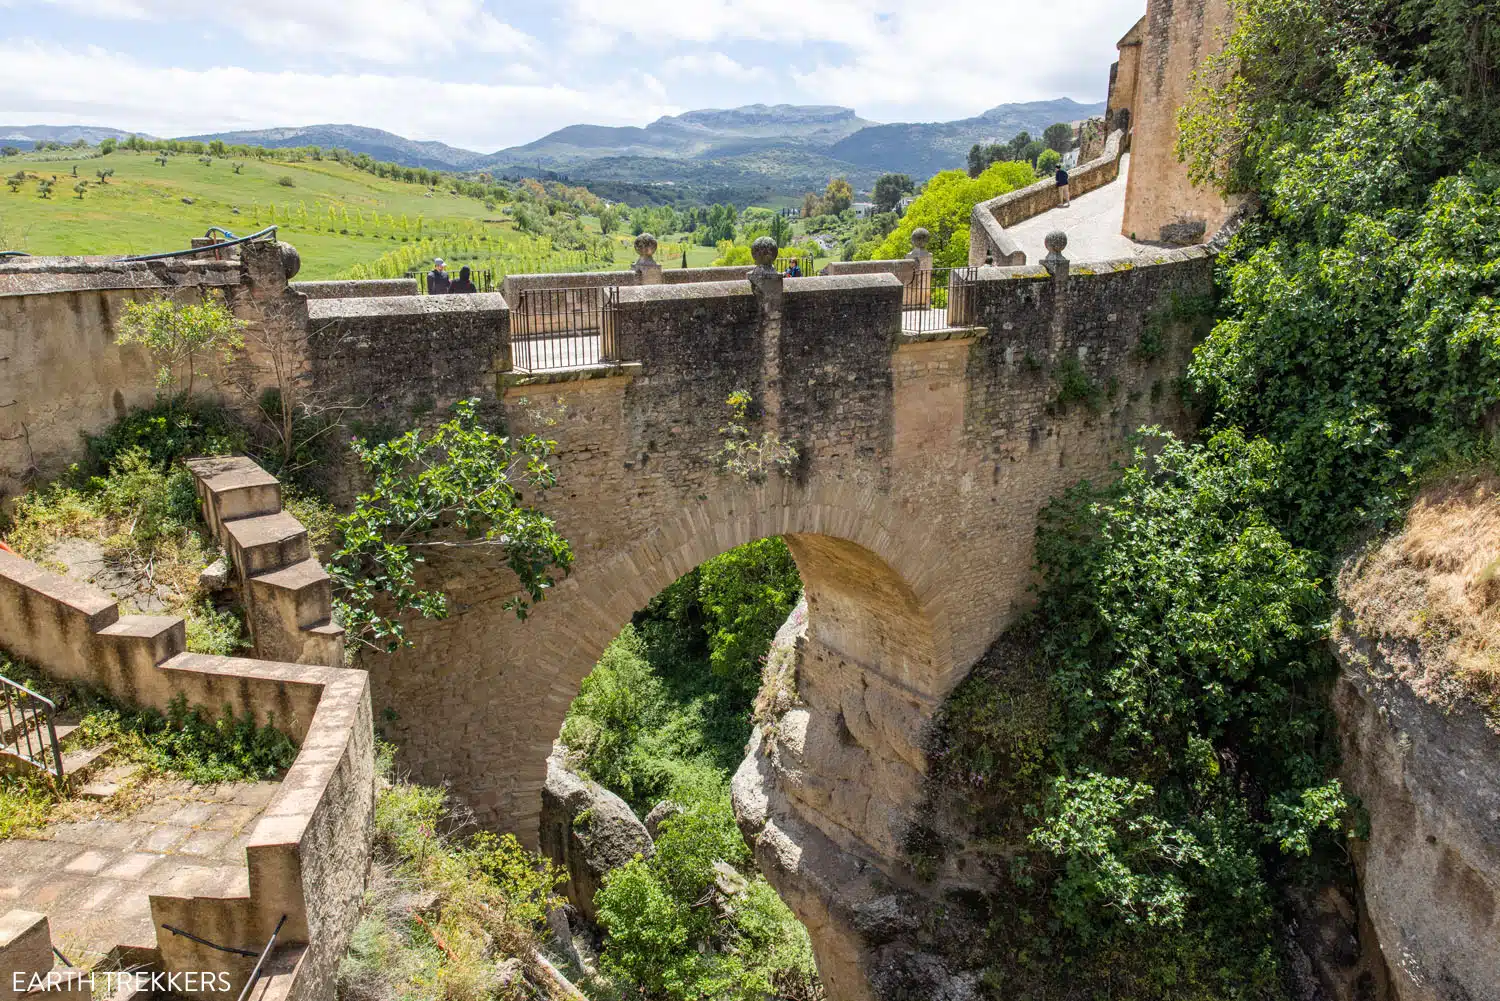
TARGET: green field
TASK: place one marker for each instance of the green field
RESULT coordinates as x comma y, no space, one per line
345,222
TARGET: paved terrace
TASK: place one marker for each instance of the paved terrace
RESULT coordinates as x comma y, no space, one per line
93,877
1092,223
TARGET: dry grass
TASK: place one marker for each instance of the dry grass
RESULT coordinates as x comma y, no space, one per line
1436,585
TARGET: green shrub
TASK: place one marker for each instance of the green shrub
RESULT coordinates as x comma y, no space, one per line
167,431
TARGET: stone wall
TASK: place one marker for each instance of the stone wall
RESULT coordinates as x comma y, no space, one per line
1123,79
310,849
1161,203
987,236
61,373
396,355
356,289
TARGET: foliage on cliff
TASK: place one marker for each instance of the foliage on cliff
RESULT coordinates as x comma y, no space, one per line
449,912
1165,771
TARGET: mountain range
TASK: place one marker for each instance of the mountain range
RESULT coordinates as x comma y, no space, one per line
736,154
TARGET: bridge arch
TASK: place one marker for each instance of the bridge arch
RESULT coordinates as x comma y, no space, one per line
874,664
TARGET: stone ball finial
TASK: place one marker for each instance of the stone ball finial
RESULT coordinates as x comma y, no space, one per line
645,246
764,250
920,238
291,261
1056,242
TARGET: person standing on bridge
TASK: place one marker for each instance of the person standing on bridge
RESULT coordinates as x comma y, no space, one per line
438,281
463,282
1062,185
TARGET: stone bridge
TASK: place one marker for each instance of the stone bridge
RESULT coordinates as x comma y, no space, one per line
923,463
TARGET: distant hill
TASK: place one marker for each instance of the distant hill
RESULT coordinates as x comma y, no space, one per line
747,154
923,149
377,143
781,149
697,134
27,136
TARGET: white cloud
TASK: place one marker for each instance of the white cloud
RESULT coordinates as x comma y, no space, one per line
394,32
715,64
890,59
66,86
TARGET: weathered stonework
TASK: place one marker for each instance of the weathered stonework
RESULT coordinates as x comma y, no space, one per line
910,514
1161,202
310,849
61,373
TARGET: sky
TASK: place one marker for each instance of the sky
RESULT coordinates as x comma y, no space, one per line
486,74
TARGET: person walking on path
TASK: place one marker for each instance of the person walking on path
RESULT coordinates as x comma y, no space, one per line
1062,185
438,281
462,284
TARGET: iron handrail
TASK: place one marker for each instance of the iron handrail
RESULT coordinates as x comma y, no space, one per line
260,957
42,708
271,230
255,973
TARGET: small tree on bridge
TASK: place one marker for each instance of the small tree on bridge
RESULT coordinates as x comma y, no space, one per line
178,334
454,487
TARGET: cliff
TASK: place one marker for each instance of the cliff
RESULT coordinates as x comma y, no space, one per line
1416,704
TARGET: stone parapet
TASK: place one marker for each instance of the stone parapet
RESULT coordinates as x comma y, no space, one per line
903,268
514,285
309,851
52,275
357,289
689,276
395,355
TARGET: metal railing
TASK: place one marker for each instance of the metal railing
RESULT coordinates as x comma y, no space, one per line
30,732
562,328
937,299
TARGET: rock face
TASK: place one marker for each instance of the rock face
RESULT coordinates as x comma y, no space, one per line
1413,642
588,831
861,918
1430,871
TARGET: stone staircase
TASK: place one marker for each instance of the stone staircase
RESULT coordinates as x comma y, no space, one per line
24,741
287,594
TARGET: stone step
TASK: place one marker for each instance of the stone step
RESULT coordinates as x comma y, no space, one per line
110,781
232,487
146,640
266,542
77,764
303,591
